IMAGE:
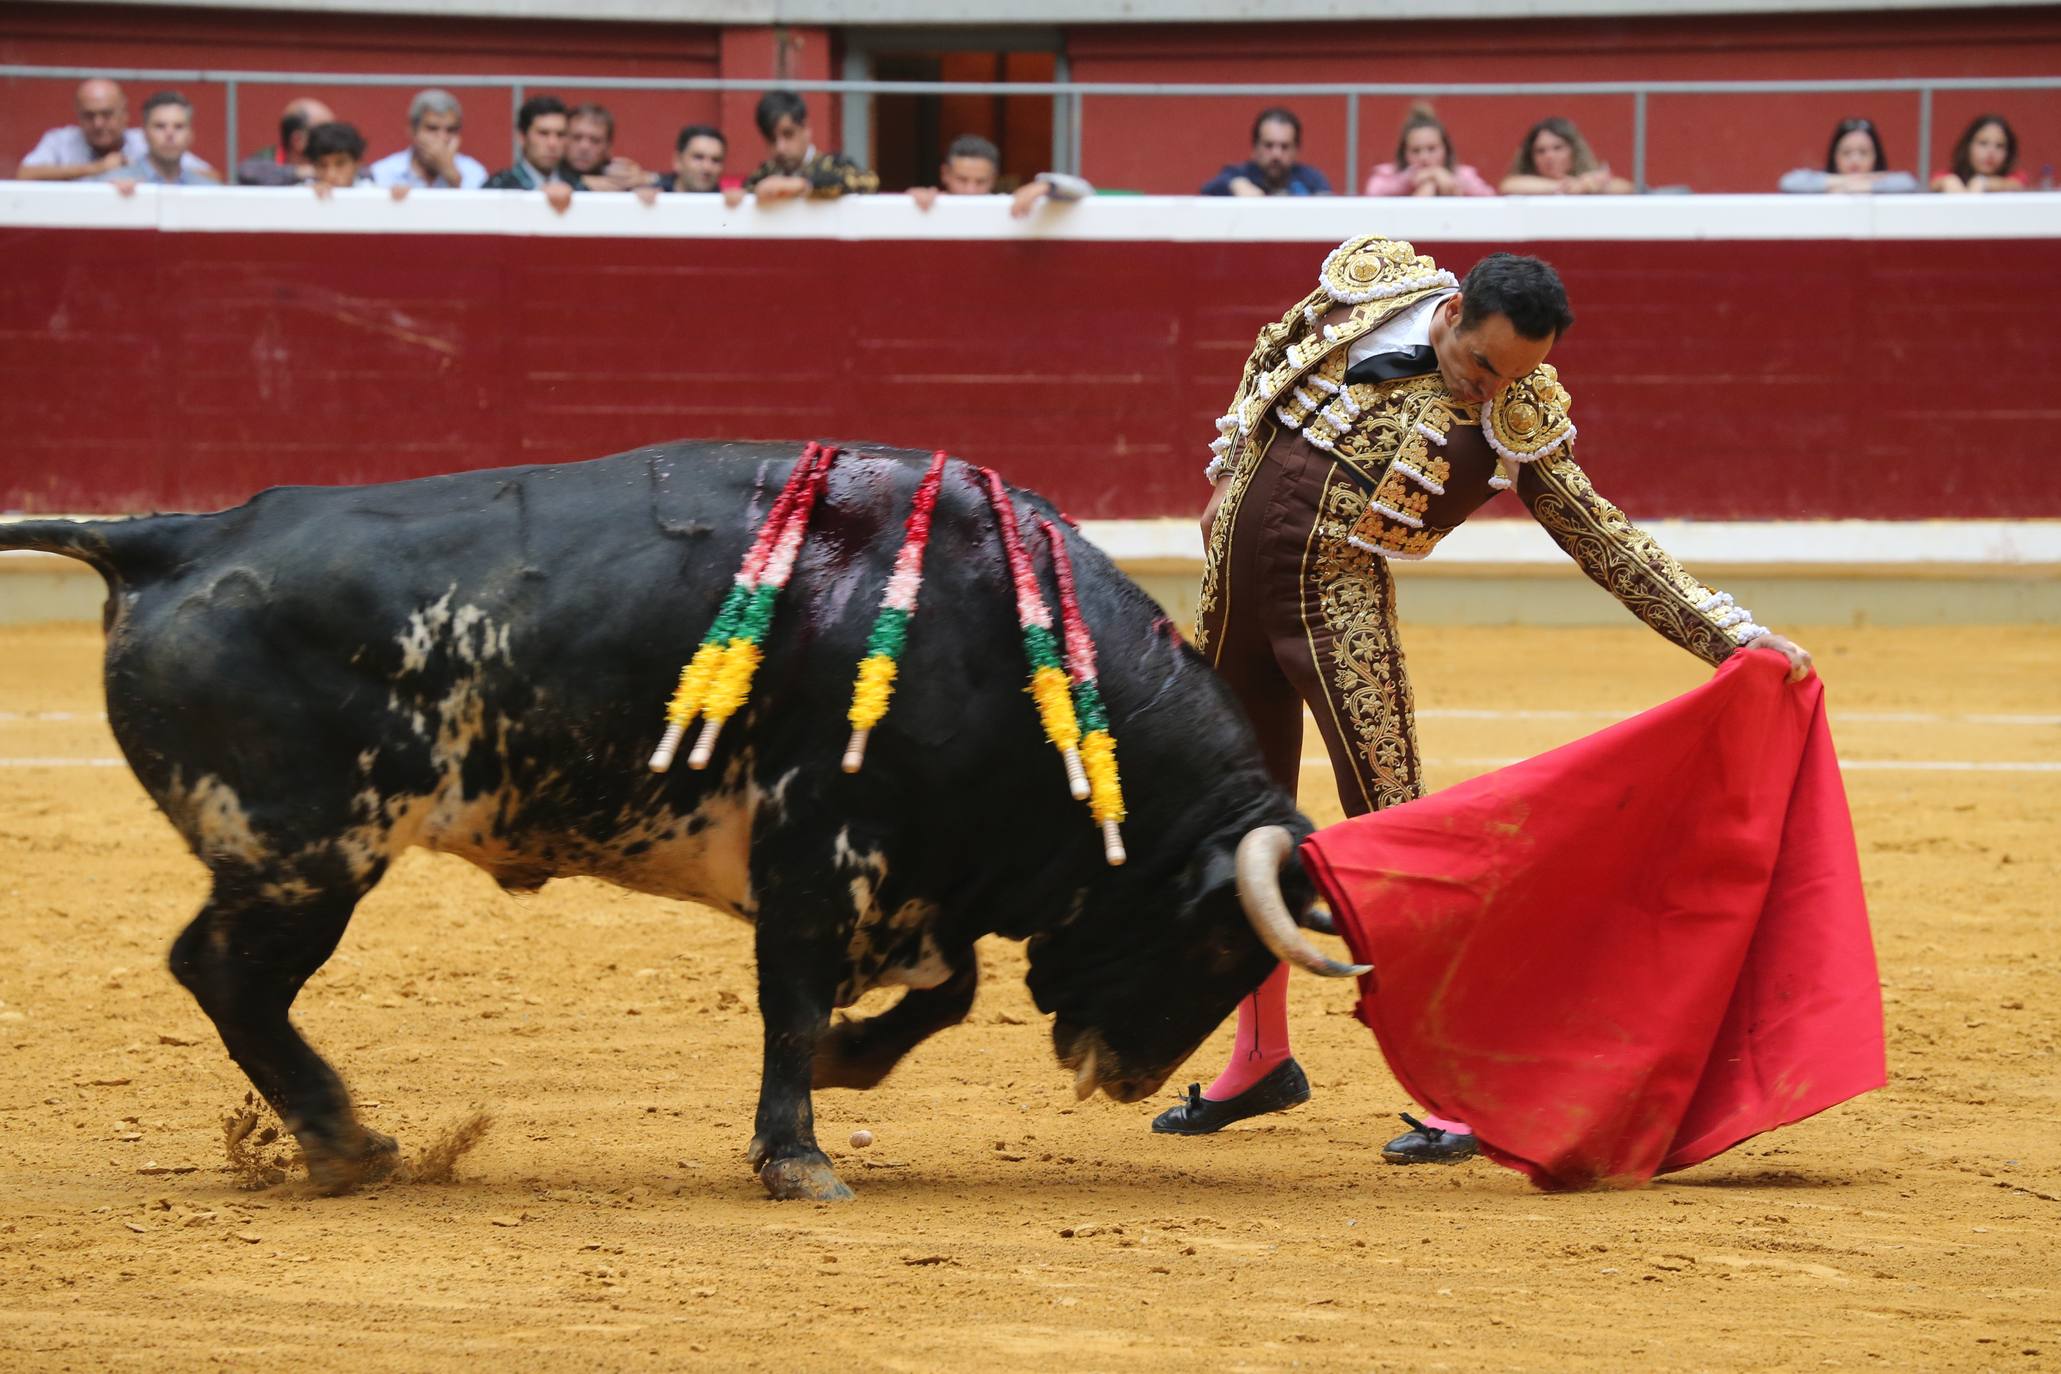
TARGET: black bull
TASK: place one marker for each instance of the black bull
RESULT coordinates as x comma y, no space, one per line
476,663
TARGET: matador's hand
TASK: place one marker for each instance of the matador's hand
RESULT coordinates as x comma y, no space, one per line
1798,656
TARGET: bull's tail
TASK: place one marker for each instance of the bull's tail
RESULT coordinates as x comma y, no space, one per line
123,550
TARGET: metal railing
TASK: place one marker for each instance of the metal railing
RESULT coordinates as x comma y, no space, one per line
1069,97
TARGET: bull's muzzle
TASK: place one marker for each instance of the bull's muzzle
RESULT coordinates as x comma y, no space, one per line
1260,856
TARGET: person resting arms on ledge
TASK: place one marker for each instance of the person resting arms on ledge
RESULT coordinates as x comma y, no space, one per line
1855,163
1425,164
1554,160
1985,160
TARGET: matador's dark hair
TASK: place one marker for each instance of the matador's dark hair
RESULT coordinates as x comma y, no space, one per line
1525,290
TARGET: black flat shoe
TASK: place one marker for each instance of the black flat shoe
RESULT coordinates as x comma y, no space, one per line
1423,1144
1285,1087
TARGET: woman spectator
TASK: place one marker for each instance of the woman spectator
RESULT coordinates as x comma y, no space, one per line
1986,159
1855,163
1424,163
1554,160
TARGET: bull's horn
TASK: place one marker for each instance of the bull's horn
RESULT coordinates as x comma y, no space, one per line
1260,856
1319,919
1088,1076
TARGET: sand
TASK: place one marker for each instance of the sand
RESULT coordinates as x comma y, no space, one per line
605,1217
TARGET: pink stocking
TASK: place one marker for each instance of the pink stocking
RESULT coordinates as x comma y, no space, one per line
1262,1039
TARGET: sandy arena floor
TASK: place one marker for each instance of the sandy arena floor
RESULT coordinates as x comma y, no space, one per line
607,1219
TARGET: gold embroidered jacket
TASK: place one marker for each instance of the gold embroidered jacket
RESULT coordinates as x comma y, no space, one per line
1429,462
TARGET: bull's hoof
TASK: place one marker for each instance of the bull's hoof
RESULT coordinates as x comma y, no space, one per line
332,1171
803,1178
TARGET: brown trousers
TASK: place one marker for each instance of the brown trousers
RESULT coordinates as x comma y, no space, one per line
1299,615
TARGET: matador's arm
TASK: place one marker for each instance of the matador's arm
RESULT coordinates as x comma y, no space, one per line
1629,564
1529,428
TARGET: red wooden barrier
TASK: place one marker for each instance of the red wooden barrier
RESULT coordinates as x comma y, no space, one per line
1719,380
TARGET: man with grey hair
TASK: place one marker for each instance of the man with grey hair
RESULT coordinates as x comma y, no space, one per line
432,159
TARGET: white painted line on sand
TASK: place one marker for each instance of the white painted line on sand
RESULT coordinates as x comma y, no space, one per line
1848,765
1838,717
62,763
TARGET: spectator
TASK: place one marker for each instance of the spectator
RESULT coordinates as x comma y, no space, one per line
973,167
1854,163
337,153
431,160
1274,169
168,132
1554,160
540,166
286,163
590,152
98,144
793,167
698,155
1985,160
1425,164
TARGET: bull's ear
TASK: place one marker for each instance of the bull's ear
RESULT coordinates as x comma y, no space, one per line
1213,870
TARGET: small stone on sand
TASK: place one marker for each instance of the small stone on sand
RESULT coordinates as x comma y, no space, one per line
861,1139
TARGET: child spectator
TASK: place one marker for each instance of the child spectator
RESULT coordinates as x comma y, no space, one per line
285,163
1854,163
1425,164
793,167
1275,168
337,153
698,156
431,160
1985,160
1554,160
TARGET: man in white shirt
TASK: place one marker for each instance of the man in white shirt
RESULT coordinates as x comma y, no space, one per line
432,159
168,134
98,144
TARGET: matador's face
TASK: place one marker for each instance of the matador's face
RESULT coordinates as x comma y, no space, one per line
1478,361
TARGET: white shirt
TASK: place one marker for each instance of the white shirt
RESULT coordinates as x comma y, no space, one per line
1411,329
398,169
66,146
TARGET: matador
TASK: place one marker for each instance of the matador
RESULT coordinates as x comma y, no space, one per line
1380,412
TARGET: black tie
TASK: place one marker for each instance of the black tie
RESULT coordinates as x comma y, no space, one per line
1386,367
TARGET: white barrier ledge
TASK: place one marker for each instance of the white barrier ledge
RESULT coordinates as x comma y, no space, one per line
1110,218
1831,545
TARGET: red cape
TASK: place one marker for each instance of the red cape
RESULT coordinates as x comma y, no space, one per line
1630,954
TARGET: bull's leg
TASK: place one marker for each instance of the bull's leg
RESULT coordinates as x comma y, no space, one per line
244,959
796,988
861,1052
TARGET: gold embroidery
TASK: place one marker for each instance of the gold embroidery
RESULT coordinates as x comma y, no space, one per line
1218,548
1371,269
1385,442
1531,418
1398,493
1620,557
1366,688
1375,278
